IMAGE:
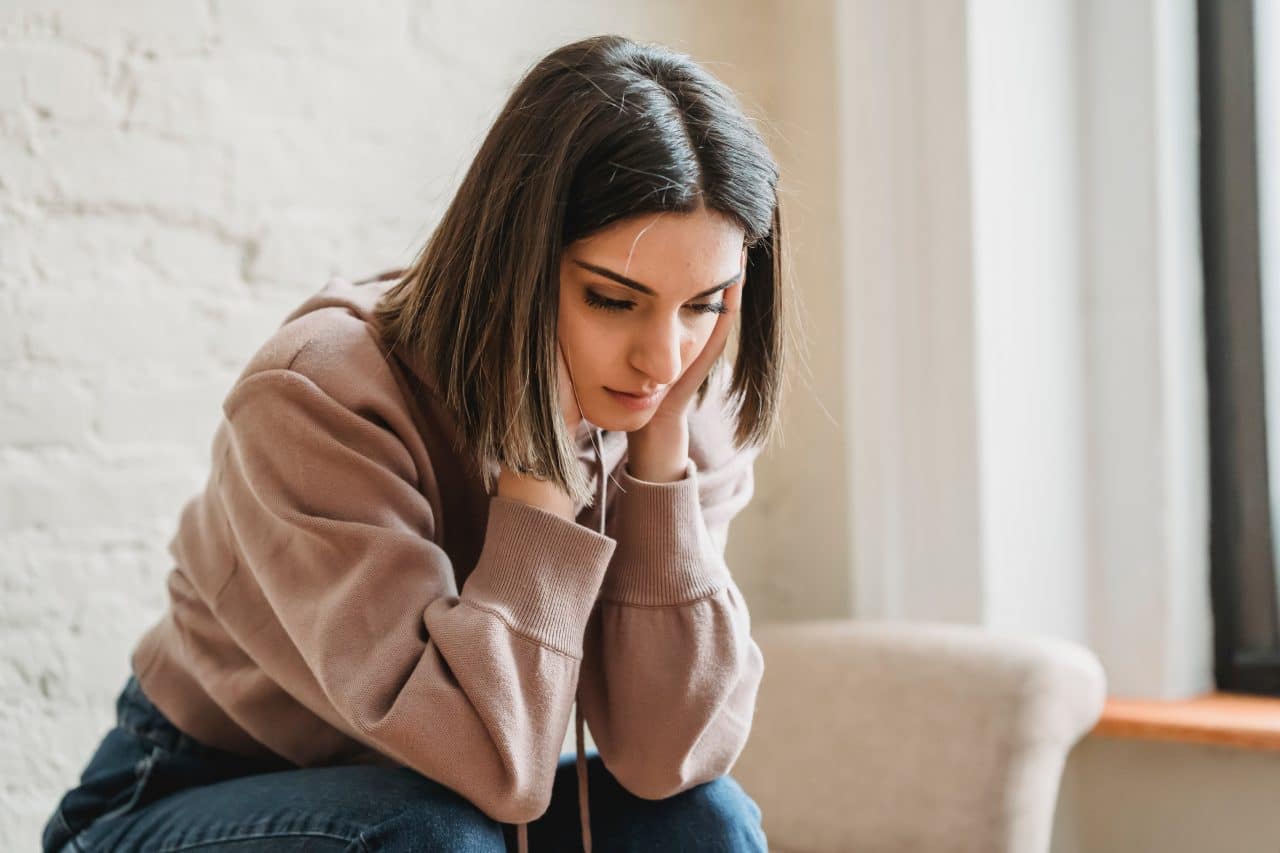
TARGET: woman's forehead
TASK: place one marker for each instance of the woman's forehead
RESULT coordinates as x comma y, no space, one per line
667,250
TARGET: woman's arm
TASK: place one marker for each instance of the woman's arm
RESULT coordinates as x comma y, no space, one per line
670,671
473,687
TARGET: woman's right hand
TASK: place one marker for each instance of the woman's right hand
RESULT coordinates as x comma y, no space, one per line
543,493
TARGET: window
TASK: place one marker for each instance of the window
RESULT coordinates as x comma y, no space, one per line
1240,208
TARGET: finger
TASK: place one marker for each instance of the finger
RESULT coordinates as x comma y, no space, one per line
714,346
733,296
720,334
698,370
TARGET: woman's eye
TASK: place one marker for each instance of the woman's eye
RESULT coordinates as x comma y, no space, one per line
710,307
595,300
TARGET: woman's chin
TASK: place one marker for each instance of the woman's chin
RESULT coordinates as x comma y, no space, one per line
616,419
618,424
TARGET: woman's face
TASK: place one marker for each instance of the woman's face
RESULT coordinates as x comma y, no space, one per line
637,302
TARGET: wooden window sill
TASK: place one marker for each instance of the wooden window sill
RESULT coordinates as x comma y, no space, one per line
1227,719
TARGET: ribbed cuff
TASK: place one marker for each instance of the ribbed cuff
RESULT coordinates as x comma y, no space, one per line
541,572
665,555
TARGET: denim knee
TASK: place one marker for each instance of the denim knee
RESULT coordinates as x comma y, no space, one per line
714,816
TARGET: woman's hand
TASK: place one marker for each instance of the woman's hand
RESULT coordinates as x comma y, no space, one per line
675,404
544,494
658,450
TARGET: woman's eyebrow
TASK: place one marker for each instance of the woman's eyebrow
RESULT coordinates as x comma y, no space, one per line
635,285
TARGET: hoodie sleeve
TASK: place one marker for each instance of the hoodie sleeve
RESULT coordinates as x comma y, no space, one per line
670,671
473,688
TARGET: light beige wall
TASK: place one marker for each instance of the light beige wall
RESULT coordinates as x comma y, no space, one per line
789,546
1131,796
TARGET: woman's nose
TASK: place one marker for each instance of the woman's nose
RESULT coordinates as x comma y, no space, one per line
658,354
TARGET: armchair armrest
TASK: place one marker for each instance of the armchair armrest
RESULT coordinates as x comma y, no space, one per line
888,736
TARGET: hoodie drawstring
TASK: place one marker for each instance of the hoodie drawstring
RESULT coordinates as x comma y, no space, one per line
584,809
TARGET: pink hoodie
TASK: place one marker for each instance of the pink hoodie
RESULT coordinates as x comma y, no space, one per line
345,589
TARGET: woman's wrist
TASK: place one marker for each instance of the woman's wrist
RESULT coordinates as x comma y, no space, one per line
658,453
542,494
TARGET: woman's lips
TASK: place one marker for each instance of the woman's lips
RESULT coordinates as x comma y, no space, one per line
633,402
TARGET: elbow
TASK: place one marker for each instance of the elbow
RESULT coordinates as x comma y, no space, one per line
530,799
512,790
653,773
499,782
649,776
649,786
505,797
516,809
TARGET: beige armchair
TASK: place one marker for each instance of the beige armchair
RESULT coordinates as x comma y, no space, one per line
889,737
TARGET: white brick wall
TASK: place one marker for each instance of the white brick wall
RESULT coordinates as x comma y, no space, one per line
175,175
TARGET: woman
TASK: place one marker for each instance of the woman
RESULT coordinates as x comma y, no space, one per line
398,581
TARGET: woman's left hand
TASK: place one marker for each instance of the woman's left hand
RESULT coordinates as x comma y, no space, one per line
674,405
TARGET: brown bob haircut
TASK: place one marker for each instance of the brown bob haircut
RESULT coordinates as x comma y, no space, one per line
598,130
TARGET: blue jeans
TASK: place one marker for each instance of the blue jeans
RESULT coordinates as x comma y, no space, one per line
151,787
